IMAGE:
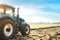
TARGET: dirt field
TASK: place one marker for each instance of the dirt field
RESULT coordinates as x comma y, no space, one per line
41,32
42,25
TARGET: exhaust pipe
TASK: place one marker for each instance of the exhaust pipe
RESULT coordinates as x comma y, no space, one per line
17,14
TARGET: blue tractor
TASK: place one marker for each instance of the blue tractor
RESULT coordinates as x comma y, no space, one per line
11,24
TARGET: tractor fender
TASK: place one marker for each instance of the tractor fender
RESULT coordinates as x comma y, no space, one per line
23,24
4,16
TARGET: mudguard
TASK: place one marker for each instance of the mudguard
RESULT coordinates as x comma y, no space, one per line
4,16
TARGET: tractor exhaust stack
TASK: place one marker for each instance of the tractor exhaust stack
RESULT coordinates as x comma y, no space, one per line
17,14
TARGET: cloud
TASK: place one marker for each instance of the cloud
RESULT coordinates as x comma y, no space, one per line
33,15
35,19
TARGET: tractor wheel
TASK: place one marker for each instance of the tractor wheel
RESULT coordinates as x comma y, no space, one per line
7,28
25,30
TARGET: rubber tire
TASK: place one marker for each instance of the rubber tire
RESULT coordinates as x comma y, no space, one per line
3,22
23,31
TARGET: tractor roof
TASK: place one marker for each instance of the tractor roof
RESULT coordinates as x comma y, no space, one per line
6,6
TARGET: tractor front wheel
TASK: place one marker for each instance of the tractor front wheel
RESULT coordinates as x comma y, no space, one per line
25,30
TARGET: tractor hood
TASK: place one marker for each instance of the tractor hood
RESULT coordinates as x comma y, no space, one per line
19,20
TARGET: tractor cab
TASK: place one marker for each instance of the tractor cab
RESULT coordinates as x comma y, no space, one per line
6,10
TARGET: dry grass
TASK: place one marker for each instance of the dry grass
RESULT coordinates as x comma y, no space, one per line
42,25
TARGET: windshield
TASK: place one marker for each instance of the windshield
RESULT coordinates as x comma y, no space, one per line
1,11
9,11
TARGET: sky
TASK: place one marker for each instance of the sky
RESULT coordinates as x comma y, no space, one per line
34,11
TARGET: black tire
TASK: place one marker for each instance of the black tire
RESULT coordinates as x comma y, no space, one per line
3,23
25,30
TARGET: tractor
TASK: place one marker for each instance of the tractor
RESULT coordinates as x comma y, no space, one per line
10,24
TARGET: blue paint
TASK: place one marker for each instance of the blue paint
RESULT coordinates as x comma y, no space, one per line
14,18
19,20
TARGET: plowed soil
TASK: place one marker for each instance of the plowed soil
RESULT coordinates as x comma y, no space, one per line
46,33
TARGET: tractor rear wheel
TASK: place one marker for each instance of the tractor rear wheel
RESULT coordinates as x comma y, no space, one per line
7,28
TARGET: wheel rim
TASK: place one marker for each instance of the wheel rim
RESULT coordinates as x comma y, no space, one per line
8,29
27,29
